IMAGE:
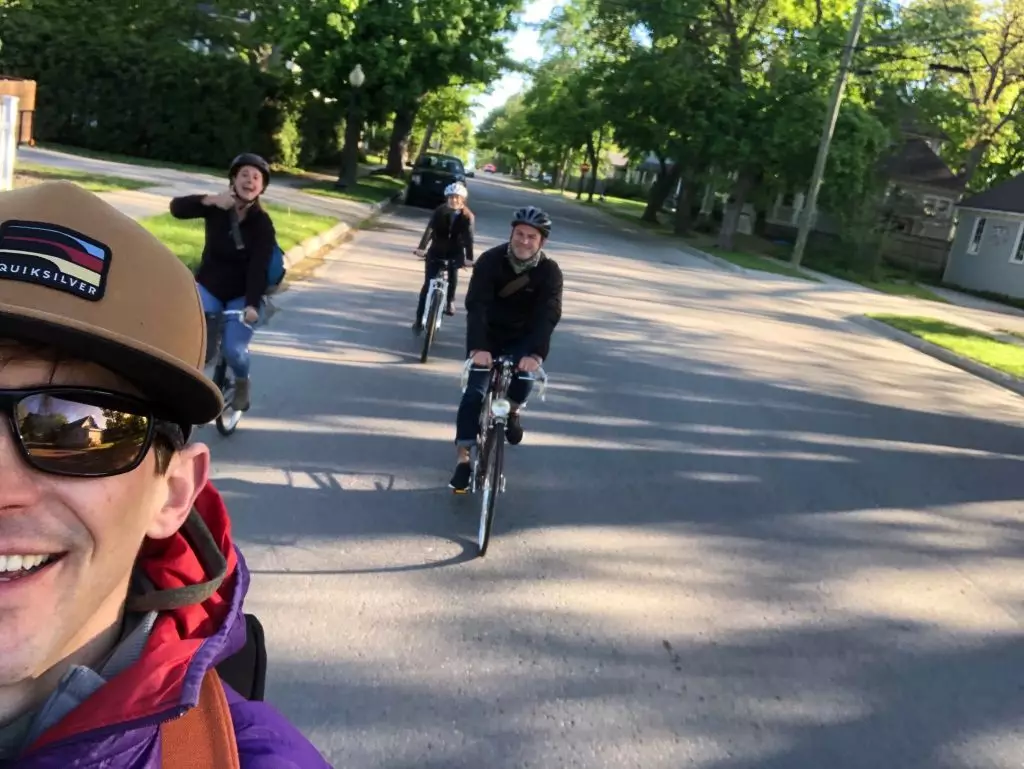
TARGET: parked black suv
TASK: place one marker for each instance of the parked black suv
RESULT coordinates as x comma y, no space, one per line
431,174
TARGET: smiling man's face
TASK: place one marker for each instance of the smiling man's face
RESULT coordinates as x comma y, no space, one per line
90,529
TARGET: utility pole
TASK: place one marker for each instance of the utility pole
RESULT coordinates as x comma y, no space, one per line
826,136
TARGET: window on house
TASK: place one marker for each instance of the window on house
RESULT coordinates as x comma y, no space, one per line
1018,251
979,231
935,206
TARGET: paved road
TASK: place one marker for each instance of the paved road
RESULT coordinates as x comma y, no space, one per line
741,533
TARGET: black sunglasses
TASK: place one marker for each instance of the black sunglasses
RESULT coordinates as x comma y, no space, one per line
82,432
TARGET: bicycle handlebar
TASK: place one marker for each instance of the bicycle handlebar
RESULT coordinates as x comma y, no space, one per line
539,376
240,315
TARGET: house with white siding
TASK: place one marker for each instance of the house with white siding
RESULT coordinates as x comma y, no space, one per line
988,247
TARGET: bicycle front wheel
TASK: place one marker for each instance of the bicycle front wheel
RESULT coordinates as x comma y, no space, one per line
431,327
494,456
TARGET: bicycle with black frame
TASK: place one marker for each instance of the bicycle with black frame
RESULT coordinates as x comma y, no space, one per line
488,456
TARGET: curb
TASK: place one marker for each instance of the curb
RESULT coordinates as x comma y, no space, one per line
336,234
1011,383
718,261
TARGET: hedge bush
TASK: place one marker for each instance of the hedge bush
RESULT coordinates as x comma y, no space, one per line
151,99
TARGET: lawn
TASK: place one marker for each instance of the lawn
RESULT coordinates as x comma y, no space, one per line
979,347
369,189
29,174
186,237
762,263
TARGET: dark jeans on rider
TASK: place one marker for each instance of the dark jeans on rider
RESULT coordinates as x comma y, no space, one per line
431,268
467,424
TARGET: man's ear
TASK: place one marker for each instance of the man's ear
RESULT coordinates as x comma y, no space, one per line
186,475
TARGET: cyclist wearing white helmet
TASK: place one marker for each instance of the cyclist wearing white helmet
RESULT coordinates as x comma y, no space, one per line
450,235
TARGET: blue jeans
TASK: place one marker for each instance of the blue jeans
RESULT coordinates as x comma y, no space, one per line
236,335
467,423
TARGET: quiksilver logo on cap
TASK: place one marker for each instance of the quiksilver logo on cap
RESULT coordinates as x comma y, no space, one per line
55,257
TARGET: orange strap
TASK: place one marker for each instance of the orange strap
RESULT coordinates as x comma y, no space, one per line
204,737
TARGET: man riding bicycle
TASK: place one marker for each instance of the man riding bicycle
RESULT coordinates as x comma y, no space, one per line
513,303
240,240
450,234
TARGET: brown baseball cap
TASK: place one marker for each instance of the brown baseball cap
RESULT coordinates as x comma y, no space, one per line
78,274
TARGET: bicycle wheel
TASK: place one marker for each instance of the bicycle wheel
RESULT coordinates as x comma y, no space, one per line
228,419
494,455
431,328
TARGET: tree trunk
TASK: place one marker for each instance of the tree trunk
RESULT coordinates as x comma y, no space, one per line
974,158
399,144
707,207
594,155
558,179
727,234
660,190
684,216
349,171
589,156
428,136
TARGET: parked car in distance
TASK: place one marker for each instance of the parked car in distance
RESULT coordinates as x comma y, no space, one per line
490,169
431,173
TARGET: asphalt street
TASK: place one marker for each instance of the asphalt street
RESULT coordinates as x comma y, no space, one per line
742,532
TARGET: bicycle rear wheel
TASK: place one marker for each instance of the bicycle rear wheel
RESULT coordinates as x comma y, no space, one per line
493,458
431,327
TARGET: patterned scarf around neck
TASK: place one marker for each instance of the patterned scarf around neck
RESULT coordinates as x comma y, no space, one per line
518,265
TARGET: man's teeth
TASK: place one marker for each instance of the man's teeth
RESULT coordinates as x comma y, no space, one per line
10,563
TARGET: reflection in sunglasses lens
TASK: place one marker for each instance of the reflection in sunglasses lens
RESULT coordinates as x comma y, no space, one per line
79,437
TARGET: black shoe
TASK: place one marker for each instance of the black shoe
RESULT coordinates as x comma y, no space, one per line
460,478
513,429
450,309
417,328
240,399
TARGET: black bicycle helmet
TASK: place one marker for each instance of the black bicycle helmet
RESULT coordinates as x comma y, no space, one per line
250,159
534,217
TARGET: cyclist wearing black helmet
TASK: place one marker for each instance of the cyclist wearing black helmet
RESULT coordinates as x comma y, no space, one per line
513,303
232,275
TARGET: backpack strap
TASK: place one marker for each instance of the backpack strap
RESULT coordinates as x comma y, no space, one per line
204,737
514,285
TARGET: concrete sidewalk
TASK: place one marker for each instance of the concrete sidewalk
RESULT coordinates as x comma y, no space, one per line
171,182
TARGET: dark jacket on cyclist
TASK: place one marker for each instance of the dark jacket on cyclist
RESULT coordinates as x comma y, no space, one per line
452,234
528,314
226,271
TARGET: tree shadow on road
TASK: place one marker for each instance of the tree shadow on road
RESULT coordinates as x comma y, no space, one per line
714,551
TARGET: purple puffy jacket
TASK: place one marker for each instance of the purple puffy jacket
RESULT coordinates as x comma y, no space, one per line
118,727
